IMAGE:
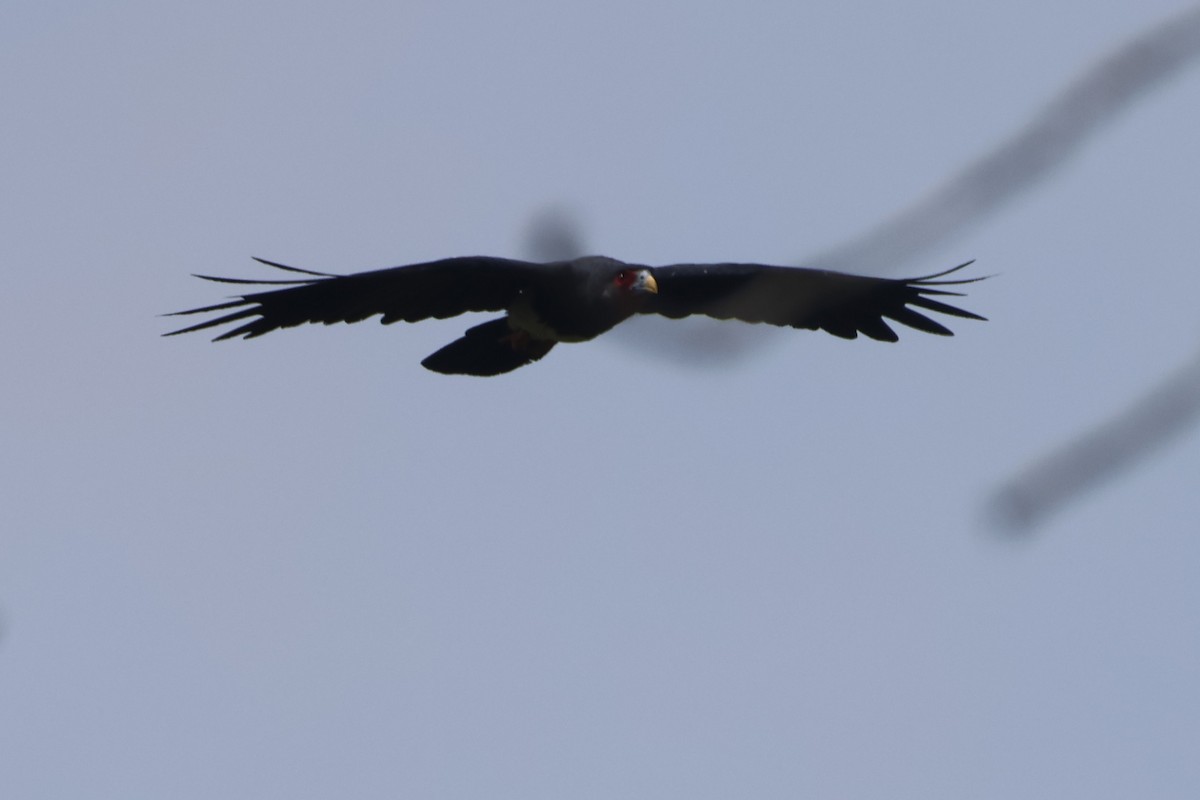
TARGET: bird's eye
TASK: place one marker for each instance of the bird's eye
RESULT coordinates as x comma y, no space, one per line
624,279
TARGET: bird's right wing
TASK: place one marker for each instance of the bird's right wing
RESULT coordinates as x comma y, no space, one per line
838,303
435,289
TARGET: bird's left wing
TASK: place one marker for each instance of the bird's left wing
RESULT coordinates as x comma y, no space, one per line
435,289
841,304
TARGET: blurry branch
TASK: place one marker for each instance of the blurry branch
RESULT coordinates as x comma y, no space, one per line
1169,409
1101,453
1056,133
554,235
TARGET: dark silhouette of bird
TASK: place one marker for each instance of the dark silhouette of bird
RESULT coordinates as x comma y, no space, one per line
579,299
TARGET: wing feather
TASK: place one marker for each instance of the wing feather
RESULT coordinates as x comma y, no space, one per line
436,289
840,304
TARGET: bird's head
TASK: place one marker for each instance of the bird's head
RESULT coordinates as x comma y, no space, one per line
632,284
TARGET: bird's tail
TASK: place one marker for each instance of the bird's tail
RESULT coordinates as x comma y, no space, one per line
492,348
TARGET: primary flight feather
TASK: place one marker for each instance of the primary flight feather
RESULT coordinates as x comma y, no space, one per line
577,300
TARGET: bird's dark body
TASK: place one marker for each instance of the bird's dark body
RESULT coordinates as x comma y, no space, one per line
571,302
574,301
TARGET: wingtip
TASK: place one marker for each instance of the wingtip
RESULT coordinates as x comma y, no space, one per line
277,265
933,279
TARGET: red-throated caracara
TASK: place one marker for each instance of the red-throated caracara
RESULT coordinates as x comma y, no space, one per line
577,300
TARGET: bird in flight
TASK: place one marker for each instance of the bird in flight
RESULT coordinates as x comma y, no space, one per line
579,299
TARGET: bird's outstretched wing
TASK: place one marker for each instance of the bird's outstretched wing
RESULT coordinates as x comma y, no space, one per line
841,304
436,289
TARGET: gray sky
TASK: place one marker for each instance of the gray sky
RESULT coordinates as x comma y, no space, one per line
303,566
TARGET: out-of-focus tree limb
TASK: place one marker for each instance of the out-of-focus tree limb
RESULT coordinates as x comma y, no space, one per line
554,234
1052,136
1173,406
1101,453
1057,132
